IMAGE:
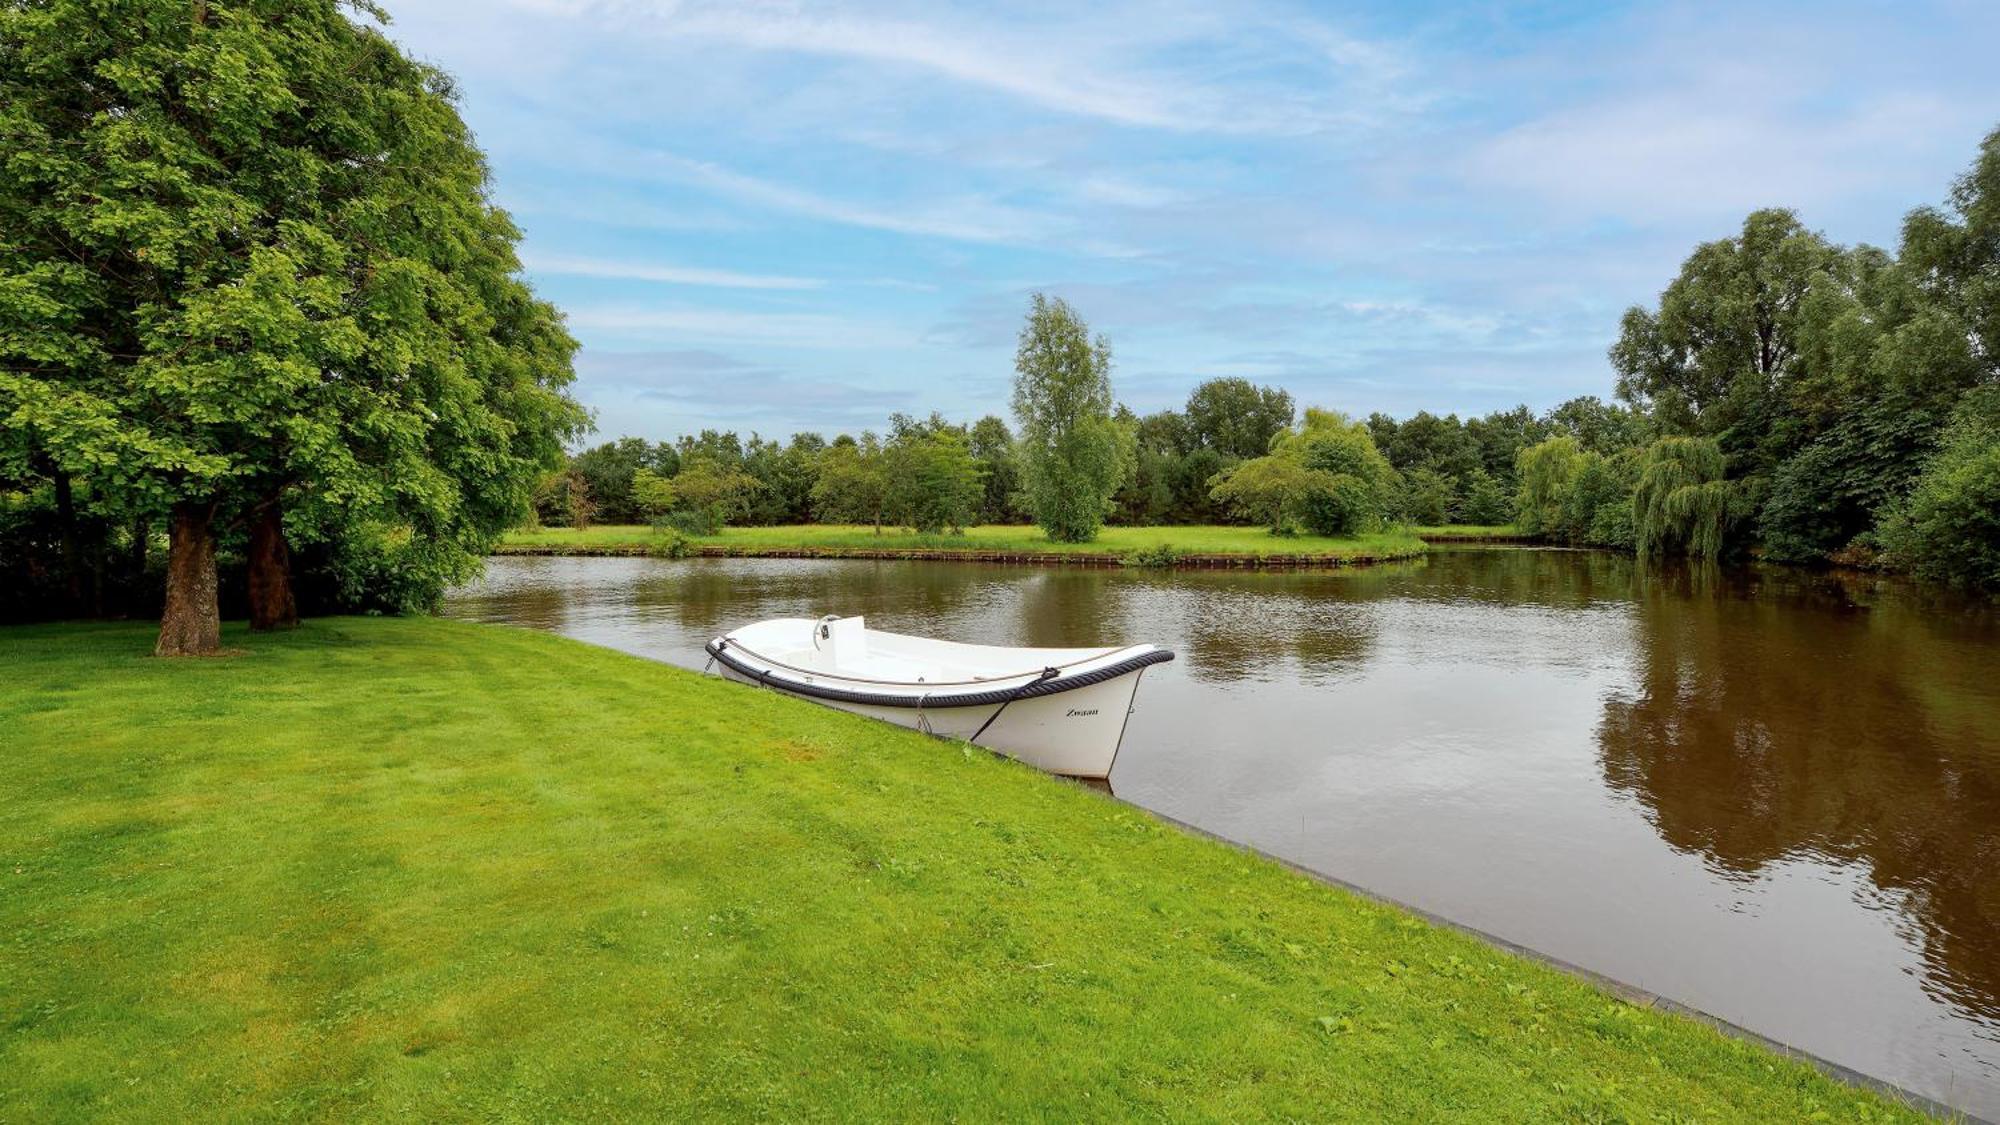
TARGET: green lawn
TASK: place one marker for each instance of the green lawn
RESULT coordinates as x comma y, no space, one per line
1398,543
1472,530
412,868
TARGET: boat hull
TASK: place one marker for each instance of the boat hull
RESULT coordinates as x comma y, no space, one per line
1074,733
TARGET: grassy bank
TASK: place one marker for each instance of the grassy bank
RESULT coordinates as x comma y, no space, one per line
1126,543
1502,531
419,868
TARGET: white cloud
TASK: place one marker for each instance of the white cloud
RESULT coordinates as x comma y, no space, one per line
1703,152
1671,117
1091,61
968,218
771,329
667,275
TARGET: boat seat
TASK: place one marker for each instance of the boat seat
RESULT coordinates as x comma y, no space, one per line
848,654
847,642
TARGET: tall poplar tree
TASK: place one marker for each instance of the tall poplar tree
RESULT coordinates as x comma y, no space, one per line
1073,454
250,278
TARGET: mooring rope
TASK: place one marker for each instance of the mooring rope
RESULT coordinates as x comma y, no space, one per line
1047,674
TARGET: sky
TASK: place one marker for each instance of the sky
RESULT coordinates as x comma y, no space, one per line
789,216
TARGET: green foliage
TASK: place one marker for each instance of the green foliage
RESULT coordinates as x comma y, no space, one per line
934,481
249,257
1843,482
699,500
1272,489
1486,501
1246,542
1235,418
1456,467
1599,427
1149,493
1157,555
382,568
993,447
853,482
675,544
1949,526
1596,508
564,497
1727,334
1429,497
1357,492
1426,441
607,471
1546,471
1074,455
785,474
1681,503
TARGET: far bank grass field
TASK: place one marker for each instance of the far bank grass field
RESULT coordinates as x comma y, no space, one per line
1124,541
405,868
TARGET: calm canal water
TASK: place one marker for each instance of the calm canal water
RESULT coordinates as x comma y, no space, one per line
1772,795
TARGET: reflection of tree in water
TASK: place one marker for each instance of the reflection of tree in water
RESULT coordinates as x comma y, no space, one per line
714,596
1237,626
1773,717
1511,576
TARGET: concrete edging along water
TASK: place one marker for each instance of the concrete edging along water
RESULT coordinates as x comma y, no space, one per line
1629,993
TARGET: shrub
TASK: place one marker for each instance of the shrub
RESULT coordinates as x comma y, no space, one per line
674,545
1949,526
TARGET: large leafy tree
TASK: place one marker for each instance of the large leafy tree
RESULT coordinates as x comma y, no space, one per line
853,482
992,445
250,278
607,471
934,481
1718,355
1272,489
1547,470
1074,455
1681,502
701,499
1236,418
1364,481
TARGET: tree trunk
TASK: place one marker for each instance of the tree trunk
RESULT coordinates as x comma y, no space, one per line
97,566
271,603
135,566
72,551
192,622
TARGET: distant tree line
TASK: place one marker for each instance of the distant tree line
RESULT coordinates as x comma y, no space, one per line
1787,396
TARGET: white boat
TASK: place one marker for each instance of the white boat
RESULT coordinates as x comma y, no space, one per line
1060,709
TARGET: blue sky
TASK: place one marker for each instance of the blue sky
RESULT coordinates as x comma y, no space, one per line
789,216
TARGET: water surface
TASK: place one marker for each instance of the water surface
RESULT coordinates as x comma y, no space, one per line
1772,795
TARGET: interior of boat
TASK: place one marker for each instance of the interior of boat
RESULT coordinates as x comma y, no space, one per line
847,648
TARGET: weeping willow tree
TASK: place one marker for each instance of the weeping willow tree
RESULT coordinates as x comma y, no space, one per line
1682,501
